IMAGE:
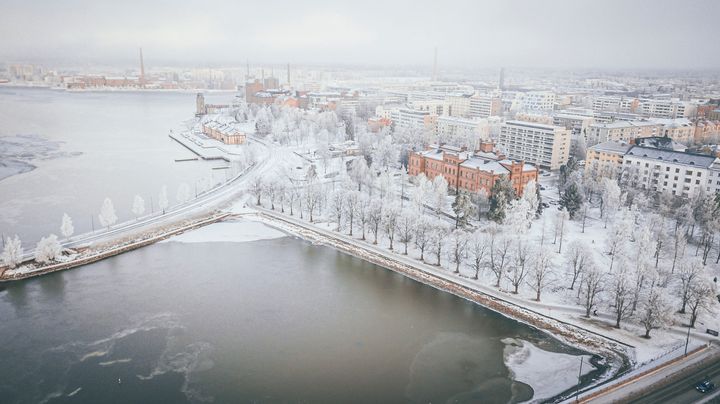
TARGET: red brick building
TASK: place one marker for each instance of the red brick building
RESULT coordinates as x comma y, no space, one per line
471,171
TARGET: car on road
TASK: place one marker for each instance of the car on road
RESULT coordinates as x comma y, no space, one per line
705,386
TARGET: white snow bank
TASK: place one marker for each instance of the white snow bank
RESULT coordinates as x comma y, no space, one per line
233,232
548,373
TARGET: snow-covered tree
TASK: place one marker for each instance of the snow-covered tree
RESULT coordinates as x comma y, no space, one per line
591,286
66,227
482,201
422,193
701,297
292,193
500,254
655,312
138,206
464,209
352,199
532,196
560,219
263,121
501,194
390,217
107,214
478,248
163,202
406,228
384,183
363,208
359,172
48,249
619,236
518,216
522,255
458,247
257,189
578,256
337,206
679,243
313,195
12,252
439,195
688,274
423,235
375,215
439,232
386,154
621,293
183,193
571,200
541,272
610,198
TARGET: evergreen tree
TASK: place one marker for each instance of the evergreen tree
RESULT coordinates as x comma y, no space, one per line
501,194
463,208
571,200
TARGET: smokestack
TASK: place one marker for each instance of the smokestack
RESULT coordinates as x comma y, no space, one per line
501,80
435,72
142,68
288,71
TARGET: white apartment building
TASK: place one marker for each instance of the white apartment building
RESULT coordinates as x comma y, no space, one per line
547,146
680,130
679,173
672,108
405,118
448,126
484,105
533,101
437,107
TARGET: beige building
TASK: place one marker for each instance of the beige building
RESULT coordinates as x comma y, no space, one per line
606,158
680,129
546,146
621,131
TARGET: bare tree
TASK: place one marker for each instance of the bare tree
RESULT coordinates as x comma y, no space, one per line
390,219
375,215
541,272
478,249
363,208
406,228
458,245
591,286
700,298
655,312
313,196
257,189
689,272
500,255
439,231
138,207
422,235
621,294
578,257
520,264
337,206
352,199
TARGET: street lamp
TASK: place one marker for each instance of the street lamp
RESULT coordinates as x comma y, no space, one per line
687,339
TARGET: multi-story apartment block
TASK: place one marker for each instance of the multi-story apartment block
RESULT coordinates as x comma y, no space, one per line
546,146
606,158
664,108
484,105
679,173
471,171
621,131
534,101
448,126
680,130
437,107
405,118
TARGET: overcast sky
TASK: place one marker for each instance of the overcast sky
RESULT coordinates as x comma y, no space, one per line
564,34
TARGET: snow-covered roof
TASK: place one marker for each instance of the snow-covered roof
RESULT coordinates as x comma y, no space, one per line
690,159
612,147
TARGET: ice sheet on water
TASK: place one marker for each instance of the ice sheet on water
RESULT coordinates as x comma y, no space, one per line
17,151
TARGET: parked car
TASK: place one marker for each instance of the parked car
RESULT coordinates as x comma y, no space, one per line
705,386
542,188
545,205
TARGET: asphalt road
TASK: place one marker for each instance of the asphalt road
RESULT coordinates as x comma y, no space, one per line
682,390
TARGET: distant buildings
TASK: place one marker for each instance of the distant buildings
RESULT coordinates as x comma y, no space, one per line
223,132
547,146
471,171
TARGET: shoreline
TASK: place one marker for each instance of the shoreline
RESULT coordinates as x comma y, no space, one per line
613,352
117,90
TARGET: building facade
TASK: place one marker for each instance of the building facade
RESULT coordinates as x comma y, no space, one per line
546,146
223,132
471,171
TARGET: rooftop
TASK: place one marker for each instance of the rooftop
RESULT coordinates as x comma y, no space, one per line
684,158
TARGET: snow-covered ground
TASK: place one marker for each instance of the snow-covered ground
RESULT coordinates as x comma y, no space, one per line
536,367
238,231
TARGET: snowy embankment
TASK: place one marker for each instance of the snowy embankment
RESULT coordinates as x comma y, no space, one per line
532,365
228,232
